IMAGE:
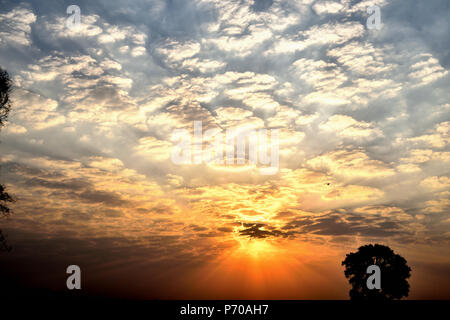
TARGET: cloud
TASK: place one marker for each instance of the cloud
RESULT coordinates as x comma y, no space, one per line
361,58
16,26
436,182
258,230
348,127
351,164
35,111
327,7
346,223
86,28
439,138
427,70
362,119
176,52
329,33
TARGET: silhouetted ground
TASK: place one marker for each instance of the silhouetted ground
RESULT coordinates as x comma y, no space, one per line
27,302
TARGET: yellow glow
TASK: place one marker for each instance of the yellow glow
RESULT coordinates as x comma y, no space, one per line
256,248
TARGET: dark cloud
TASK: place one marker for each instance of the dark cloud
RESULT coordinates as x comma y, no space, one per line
160,209
101,197
347,224
21,169
261,5
284,214
298,222
261,230
66,184
227,216
196,228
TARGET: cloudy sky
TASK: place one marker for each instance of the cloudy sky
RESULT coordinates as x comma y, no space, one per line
363,118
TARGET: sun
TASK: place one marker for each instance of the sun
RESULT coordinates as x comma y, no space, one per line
256,248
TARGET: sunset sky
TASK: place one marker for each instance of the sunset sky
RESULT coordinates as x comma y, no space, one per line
364,130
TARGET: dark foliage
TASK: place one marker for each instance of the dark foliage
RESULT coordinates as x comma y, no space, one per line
5,107
5,90
394,273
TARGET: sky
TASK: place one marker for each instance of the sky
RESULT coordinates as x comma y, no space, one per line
363,117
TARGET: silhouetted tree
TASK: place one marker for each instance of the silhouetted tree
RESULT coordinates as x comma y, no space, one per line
394,273
5,90
5,107
3,243
4,199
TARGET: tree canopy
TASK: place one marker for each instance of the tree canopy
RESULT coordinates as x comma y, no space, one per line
5,107
5,90
394,273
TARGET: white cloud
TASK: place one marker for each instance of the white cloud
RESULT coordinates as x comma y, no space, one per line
329,33
324,7
15,27
348,127
426,70
88,27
